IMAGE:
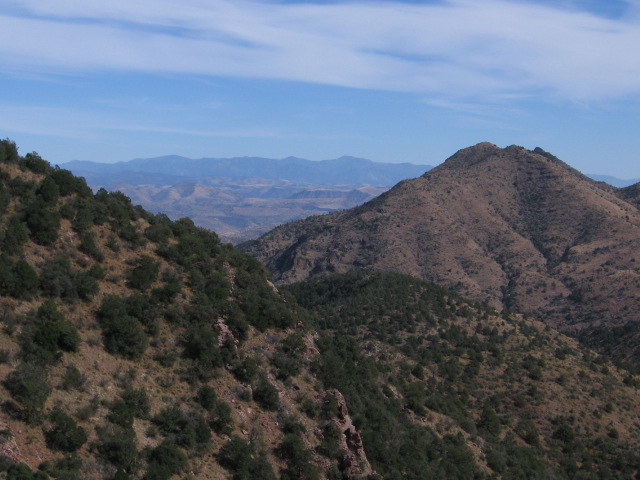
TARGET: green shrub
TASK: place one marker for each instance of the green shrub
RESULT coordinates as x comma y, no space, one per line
245,370
23,472
200,343
266,394
8,151
15,235
50,334
165,461
65,434
34,162
123,334
298,457
69,184
118,447
73,379
120,414
29,385
187,429
43,223
25,280
89,247
207,397
57,279
48,191
145,272
137,401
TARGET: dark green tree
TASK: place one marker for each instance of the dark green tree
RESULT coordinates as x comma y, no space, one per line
29,385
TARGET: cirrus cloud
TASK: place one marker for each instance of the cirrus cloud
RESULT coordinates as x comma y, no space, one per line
449,49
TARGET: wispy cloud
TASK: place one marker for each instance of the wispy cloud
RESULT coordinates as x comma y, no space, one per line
254,133
461,49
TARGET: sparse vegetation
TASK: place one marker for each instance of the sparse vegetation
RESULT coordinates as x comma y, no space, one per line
133,346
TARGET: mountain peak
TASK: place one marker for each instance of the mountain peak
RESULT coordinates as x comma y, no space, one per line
508,160
517,228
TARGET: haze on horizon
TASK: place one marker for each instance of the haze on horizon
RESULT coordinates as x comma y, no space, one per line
391,81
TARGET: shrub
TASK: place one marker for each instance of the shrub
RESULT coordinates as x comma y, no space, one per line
57,279
25,280
73,379
48,191
89,247
266,394
165,461
68,183
118,446
137,401
207,397
120,414
15,235
187,429
142,276
34,162
298,458
29,385
123,335
201,345
245,370
42,222
43,341
65,434
220,418
8,151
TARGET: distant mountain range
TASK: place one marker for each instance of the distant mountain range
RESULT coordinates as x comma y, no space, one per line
242,198
343,171
512,227
614,181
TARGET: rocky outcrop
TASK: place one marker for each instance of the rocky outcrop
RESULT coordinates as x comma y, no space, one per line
355,463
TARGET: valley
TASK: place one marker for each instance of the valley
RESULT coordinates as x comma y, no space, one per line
133,346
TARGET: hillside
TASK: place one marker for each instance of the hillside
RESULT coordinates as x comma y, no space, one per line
133,346
136,347
511,227
500,394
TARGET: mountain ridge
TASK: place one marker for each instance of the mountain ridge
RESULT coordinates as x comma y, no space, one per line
517,228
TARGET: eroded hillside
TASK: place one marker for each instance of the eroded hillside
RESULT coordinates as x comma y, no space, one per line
515,228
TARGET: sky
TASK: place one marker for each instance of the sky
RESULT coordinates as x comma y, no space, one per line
391,81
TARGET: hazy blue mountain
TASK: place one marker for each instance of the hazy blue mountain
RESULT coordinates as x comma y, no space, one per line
173,169
614,181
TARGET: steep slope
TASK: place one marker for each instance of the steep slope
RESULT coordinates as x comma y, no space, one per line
512,227
132,346
519,398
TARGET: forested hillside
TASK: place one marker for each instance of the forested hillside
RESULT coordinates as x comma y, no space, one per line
445,388
515,228
136,347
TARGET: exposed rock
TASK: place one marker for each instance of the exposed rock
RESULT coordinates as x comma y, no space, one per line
355,463
225,332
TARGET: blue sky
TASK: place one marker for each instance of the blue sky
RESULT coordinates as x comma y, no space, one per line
390,81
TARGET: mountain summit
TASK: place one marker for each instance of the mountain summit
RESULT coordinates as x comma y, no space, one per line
515,228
